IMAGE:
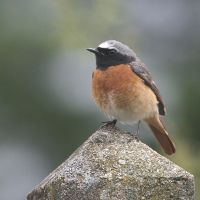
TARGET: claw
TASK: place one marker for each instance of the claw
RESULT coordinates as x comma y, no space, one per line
109,123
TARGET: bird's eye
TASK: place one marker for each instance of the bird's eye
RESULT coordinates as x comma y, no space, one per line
112,51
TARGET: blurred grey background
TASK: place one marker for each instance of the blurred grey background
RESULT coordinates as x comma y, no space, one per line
46,109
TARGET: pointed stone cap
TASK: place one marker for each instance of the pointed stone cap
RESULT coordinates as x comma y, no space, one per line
112,164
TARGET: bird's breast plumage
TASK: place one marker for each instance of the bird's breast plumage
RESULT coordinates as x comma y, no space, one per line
121,94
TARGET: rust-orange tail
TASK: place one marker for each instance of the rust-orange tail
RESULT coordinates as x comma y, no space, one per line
161,135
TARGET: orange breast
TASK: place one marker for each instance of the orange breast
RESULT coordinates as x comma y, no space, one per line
116,80
120,93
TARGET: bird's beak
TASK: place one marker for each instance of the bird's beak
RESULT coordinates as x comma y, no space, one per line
95,51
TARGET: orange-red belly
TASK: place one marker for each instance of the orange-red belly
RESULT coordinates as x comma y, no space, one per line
122,95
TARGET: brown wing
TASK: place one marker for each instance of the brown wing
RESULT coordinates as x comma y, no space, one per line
140,69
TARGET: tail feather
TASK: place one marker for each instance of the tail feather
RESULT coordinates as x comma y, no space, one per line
162,136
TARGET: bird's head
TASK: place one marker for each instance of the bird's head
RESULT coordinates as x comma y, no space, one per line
111,53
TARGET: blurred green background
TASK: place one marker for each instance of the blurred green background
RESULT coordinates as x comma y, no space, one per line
45,79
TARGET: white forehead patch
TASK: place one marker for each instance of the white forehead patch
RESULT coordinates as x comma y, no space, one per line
105,45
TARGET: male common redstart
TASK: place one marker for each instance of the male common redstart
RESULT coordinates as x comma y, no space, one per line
124,90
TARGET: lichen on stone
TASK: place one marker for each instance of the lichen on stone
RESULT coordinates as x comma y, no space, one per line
112,164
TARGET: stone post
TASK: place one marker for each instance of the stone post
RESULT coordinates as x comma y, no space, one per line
112,164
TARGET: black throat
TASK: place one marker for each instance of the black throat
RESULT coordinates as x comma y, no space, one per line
103,62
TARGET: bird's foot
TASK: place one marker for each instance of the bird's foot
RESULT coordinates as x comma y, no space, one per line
136,134
109,123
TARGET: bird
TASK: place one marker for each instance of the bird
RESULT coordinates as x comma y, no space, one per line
125,91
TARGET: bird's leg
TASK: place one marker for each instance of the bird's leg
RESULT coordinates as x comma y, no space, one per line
109,123
136,135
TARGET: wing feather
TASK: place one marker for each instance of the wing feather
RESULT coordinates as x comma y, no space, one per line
140,69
